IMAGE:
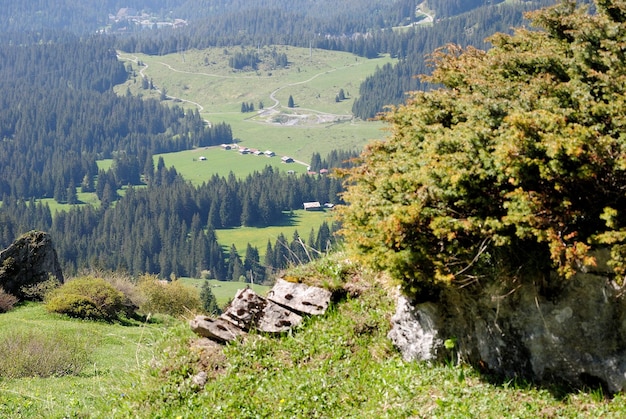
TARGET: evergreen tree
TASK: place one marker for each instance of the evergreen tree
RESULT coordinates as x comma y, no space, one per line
316,162
208,300
269,256
60,192
255,272
87,184
235,266
72,197
323,240
281,252
290,102
298,253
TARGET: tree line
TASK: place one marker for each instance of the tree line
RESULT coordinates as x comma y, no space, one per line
362,33
61,115
168,227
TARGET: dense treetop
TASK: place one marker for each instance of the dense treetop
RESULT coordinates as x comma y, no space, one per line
516,166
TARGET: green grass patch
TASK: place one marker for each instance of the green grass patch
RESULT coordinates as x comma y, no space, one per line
337,365
118,363
318,123
224,291
221,162
40,353
300,220
343,365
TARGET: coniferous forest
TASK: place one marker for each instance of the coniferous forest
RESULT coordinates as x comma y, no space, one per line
59,115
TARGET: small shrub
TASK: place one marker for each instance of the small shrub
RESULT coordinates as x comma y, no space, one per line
208,300
39,291
7,301
171,298
87,298
73,305
124,283
133,298
38,354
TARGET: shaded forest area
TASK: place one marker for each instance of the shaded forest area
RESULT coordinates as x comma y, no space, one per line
168,227
60,115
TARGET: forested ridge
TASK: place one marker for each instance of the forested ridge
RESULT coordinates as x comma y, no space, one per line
61,115
168,226
357,26
365,31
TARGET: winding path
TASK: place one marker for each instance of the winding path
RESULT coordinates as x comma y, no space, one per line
272,109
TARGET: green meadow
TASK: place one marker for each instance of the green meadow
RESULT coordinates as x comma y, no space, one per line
299,220
318,123
224,291
340,364
221,162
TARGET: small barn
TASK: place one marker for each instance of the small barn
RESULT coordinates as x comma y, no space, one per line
312,206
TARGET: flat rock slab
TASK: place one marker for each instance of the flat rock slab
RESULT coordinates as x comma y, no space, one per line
301,298
216,329
249,310
277,319
245,309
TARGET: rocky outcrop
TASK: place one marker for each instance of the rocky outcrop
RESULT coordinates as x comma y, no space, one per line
575,337
283,309
31,259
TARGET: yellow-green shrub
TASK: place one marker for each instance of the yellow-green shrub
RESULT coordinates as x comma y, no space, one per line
517,163
164,297
87,298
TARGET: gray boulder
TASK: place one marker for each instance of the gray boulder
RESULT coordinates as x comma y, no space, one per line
576,336
29,260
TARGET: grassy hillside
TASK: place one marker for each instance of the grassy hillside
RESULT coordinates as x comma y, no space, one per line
338,365
222,162
301,221
224,291
118,362
318,123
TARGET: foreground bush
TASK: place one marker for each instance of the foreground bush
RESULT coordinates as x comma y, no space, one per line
518,163
164,297
39,290
87,298
7,301
38,354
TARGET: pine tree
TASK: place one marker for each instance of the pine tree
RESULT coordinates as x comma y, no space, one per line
72,197
209,302
290,102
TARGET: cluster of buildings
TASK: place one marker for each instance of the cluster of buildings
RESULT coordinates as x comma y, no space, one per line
246,150
128,17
